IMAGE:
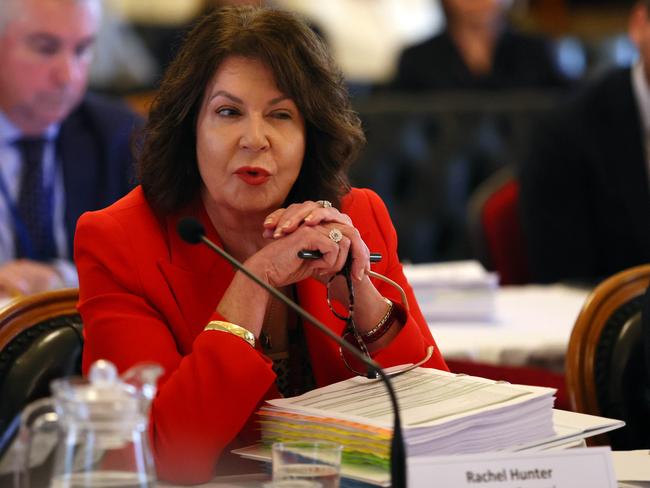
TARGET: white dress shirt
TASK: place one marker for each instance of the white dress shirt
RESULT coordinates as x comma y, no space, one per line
10,172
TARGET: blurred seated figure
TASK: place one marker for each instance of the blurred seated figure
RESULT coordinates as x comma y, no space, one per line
63,151
478,50
468,135
585,196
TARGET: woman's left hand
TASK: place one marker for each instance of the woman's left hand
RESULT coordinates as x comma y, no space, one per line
284,221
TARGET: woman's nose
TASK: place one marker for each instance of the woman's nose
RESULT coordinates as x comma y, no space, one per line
255,135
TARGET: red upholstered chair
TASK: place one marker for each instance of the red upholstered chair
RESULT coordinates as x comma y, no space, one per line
495,229
497,240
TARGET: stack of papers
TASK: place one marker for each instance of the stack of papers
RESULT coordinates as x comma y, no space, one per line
442,413
460,290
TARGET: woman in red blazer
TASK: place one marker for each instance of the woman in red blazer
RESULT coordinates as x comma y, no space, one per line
251,133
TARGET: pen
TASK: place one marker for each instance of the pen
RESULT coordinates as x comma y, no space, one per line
375,257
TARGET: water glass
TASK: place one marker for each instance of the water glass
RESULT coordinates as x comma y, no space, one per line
316,461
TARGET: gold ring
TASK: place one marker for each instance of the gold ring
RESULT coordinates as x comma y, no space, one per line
324,203
336,235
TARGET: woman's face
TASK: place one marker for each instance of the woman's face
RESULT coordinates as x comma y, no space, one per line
250,139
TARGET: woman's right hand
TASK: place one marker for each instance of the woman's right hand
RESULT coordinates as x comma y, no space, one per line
278,262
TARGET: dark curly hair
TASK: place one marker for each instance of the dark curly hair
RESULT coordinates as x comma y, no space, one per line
167,166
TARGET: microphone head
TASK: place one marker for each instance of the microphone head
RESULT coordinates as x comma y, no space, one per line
190,230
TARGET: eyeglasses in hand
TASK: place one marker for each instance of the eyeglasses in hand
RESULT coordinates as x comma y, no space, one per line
351,333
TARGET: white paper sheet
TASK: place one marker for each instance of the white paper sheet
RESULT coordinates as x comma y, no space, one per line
632,465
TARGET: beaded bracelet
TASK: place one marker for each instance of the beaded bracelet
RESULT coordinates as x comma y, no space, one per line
384,325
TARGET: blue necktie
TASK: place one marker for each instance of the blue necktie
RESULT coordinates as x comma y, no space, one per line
35,204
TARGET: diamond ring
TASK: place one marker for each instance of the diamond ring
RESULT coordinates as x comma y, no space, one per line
336,235
324,203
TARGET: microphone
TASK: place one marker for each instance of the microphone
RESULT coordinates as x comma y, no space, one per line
192,232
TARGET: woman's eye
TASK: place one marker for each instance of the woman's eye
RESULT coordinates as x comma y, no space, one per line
281,115
228,112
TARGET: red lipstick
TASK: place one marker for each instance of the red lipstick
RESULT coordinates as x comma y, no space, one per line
253,175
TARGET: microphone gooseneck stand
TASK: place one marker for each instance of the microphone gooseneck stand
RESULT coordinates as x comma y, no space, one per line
192,232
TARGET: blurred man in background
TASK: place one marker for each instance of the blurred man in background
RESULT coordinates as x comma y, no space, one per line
62,152
585,187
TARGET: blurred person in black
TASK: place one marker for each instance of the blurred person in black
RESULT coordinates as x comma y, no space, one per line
585,188
478,50
458,143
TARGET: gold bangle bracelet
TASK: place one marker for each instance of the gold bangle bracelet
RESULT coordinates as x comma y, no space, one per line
233,329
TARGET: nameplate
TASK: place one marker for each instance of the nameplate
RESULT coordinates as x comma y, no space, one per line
570,468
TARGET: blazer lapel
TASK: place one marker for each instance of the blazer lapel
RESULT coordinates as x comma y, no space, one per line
196,275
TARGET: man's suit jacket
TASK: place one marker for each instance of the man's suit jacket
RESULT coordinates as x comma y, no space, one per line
94,147
644,381
585,200
145,295
520,61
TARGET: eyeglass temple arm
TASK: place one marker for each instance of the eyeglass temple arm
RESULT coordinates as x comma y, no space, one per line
393,284
398,372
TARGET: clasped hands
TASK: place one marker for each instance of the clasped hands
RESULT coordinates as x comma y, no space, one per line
311,226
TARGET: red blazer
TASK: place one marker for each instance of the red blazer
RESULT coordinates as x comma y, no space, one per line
145,295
